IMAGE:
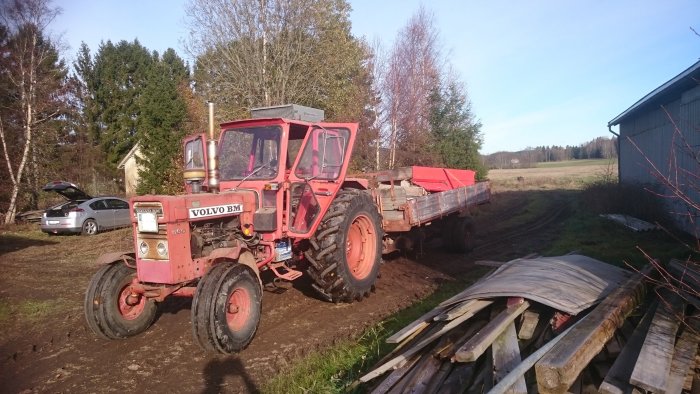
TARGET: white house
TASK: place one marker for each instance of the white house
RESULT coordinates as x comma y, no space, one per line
131,170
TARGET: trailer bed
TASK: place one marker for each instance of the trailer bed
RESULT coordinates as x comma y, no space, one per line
405,202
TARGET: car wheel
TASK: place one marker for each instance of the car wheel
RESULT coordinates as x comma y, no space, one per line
89,227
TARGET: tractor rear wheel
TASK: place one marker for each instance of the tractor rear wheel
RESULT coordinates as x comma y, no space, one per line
345,251
226,308
112,309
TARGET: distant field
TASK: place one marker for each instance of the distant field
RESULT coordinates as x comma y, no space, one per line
576,163
556,175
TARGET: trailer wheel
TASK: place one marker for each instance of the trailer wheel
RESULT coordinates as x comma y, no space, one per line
460,236
226,308
112,310
345,252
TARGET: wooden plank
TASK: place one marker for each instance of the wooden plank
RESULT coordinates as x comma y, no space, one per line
469,307
440,377
654,361
418,324
558,369
528,325
617,379
525,366
403,357
476,346
459,378
683,360
421,380
489,263
506,356
449,351
395,376
398,174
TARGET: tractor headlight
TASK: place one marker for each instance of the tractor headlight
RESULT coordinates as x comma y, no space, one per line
162,249
143,248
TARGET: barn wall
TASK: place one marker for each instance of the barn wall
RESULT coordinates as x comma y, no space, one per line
131,174
667,148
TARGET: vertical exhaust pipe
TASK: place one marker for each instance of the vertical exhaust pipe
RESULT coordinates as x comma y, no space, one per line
212,159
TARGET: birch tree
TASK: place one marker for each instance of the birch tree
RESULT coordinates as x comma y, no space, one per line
413,70
33,83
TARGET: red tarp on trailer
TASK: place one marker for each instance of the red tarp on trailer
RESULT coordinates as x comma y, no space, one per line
441,179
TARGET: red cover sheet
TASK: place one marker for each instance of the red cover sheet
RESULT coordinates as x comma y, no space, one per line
435,179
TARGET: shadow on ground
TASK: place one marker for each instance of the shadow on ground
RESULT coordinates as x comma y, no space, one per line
11,243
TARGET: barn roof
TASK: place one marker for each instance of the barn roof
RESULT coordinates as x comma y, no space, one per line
128,156
663,94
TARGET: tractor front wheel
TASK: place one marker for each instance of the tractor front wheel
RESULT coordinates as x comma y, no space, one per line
226,308
345,251
112,309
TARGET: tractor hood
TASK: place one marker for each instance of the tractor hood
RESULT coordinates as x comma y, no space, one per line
67,190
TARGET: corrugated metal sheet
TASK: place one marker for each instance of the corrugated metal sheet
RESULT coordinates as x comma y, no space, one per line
570,283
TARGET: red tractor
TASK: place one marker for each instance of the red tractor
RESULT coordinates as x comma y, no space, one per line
270,194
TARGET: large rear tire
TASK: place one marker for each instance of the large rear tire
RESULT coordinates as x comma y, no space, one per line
226,308
112,310
345,251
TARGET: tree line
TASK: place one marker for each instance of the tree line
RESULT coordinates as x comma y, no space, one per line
598,148
77,121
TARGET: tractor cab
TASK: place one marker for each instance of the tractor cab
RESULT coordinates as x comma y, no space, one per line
295,168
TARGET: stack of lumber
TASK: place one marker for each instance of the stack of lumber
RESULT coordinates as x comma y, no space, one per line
536,325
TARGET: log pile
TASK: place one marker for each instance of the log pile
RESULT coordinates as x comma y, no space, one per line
500,336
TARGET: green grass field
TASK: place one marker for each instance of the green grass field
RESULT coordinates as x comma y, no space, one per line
576,163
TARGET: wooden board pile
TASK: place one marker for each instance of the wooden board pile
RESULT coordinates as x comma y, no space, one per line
543,325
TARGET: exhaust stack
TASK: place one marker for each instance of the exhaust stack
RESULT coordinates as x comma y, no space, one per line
212,162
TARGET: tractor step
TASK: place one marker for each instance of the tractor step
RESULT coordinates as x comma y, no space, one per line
288,274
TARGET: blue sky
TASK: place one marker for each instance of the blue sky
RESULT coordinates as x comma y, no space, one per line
541,72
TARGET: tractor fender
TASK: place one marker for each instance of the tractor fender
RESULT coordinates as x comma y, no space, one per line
112,257
238,254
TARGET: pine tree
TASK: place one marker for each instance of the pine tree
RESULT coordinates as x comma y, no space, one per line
114,80
160,126
456,134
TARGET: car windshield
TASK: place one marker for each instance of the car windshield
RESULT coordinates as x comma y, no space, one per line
251,153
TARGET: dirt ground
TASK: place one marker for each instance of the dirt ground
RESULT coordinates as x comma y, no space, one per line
46,347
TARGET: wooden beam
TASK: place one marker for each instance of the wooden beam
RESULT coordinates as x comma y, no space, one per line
469,307
506,356
683,360
449,351
558,369
476,346
617,379
654,361
528,325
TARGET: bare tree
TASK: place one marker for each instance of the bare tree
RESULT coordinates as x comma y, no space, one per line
31,74
413,71
268,52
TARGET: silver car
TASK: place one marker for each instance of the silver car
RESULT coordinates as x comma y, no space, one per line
82,213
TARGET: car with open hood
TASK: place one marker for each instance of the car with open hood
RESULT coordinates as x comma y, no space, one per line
82,213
